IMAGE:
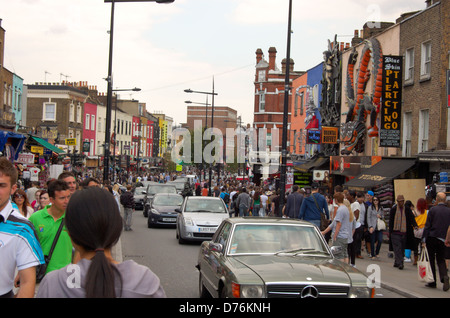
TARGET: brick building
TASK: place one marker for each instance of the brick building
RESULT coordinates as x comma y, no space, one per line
425,45
269,92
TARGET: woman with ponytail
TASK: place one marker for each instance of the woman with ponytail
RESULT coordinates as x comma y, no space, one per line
94,224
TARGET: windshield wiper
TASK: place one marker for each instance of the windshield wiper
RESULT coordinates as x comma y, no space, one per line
296,251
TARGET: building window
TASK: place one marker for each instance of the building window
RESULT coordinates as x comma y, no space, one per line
87,123
302,102
49,111
72,112
409,65
93,122
78,113
425,65
262,101
99,124
261,76
424,117
407,124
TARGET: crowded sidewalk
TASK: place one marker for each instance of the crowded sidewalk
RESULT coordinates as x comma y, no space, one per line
405,281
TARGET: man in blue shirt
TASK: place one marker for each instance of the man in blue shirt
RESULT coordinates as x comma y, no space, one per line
313,206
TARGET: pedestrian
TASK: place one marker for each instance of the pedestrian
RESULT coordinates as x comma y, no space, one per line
47,222
205,190
94,224
35,204
256,202
21,199
420,214
313,206
70,179
198,190
341,228
434,235
264,199
401,230
44,199
19,248
31,192
127,201
293,204
375,213
243,202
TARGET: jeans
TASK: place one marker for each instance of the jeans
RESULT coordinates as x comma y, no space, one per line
376,236
243,210
255,211
398,245
127,215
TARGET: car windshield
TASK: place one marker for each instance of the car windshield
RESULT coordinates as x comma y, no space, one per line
139,191
161,189
276,239
168,200
205,206
179,185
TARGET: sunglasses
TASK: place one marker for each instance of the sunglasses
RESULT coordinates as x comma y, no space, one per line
18,196
375,199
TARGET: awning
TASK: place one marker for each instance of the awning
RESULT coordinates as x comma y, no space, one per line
17,141
382,172
48,145
312,164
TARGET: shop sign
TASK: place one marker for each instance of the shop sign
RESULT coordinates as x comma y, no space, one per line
25,158
330,135
71,141
392,101
313,136
37,149
352,165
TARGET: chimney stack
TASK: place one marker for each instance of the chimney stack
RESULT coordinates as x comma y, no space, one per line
272,57
259,54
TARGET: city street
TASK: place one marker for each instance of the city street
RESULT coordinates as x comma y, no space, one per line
174,264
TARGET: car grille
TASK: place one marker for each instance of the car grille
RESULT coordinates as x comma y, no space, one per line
295,291
207,235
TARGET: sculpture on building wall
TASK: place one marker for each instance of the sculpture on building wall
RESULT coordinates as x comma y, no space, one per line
331,91
364,102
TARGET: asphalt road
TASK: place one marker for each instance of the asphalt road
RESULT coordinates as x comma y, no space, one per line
158,249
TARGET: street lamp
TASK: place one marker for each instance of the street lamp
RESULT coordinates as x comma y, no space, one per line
212,122
109,80
285,113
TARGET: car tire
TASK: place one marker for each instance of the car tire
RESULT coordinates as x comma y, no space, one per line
145,211
223,292
203,292
179,238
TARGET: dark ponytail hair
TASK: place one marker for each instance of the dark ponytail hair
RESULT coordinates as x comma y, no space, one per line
94,222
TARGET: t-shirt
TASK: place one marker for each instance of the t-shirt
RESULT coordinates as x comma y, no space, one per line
264,199
46,228
19,246
138,281
343,216
356,206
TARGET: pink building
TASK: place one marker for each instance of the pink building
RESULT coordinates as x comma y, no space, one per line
89,128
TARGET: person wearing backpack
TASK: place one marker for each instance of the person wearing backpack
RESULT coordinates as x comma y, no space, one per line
225,197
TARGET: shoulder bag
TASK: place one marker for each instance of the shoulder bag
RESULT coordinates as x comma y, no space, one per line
324,222
41,269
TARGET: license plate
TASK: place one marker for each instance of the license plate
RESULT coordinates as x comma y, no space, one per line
169,220
207,229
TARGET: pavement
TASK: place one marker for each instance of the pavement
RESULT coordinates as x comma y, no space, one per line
404,282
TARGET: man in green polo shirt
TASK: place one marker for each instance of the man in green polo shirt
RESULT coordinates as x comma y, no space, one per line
47,222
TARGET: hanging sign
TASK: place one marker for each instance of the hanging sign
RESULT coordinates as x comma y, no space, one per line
391,101
313,136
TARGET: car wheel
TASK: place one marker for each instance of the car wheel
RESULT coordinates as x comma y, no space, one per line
203,292
179,238
145,211
223,292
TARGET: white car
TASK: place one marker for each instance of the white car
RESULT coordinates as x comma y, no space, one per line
199,217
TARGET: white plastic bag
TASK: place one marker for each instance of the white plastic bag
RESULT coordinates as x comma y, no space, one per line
423,267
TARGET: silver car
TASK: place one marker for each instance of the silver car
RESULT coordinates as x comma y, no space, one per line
272,258
199,217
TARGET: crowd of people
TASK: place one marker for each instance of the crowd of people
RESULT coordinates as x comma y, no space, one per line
77,222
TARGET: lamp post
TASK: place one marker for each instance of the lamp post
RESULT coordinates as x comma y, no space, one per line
212,122
109,80
285,113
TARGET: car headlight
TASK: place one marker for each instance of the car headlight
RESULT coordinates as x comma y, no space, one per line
188,222
155,211
247,291
361,292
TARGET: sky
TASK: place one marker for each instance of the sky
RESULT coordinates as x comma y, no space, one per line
164,49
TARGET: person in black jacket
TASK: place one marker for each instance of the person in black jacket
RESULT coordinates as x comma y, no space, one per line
127,200
434,235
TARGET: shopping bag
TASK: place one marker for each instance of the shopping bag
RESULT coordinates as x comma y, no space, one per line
423,267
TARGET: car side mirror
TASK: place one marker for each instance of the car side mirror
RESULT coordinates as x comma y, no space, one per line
336,250
178,210
216,247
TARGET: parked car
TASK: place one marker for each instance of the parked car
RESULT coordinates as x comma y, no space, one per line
275,257
152,189
162,209
199,218
139,194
